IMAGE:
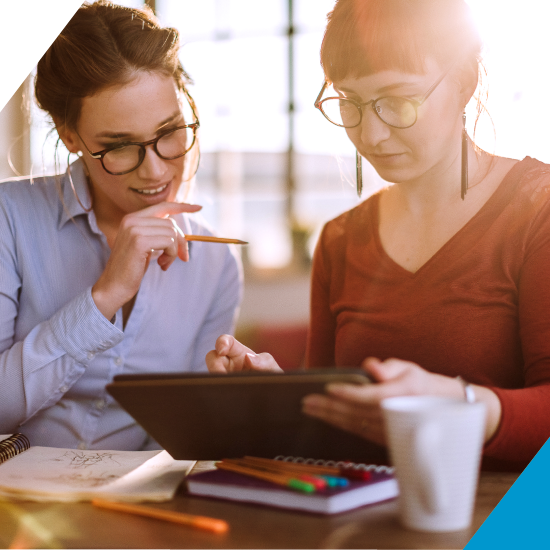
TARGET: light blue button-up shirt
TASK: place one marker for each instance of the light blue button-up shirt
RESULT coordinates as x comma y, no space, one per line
57,351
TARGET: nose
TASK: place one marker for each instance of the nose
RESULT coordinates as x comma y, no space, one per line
152,167
372,130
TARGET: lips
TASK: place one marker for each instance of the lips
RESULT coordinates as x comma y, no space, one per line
384,155
386,159
151,190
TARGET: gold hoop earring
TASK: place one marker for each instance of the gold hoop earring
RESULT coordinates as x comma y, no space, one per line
358,173
464,166
72,185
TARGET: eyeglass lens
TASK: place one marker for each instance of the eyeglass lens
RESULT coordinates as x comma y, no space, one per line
128,157
395,111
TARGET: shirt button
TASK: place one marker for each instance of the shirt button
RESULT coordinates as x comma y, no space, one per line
82,446
100,404
118,361
64,388
90,355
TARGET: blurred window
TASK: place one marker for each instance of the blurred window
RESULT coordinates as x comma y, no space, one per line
273,170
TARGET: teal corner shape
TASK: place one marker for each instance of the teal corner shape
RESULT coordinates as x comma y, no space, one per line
520,520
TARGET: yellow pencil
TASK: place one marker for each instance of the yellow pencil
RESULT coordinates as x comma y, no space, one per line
207,239
198,522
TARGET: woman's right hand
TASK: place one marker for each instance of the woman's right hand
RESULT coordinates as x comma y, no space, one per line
138,235
232,356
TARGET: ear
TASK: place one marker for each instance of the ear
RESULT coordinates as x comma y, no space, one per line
469,76
68,137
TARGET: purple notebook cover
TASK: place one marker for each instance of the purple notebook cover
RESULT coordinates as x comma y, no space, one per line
241,488
223,477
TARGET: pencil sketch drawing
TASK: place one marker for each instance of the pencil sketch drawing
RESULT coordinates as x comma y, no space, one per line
85,459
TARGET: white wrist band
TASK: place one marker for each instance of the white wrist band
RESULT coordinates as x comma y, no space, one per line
469,394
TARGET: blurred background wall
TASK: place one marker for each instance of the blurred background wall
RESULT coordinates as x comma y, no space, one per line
273,170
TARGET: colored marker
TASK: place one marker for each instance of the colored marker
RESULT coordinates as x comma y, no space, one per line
318,481
334,481
288,481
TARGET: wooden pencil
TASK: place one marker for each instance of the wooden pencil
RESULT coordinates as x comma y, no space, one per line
318,481
208,239
310,469
282,465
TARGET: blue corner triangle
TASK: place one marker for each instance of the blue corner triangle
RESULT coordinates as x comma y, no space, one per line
520,520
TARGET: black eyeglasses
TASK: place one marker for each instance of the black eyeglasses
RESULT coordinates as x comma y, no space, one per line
397,112
127,157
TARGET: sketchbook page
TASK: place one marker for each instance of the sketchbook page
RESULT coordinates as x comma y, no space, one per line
155,480
70,475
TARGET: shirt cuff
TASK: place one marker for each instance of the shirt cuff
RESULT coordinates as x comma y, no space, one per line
82,330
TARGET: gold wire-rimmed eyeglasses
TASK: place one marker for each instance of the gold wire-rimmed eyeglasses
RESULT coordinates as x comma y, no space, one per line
395,111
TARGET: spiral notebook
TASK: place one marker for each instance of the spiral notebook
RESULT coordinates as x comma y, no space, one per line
51,474
227,485
12,445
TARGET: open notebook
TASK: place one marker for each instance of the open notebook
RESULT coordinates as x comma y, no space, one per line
70,475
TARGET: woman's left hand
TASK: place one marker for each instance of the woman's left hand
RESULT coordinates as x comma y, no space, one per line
357,408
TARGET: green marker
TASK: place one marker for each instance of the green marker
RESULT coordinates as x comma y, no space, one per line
300,485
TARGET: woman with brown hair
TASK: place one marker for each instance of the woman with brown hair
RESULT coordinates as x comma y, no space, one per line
96,276
439,283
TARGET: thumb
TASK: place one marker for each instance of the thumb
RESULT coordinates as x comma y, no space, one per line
383,371
223,344
229,346
371,366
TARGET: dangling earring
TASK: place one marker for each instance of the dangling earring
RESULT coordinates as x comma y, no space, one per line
358,173
72,185
464,168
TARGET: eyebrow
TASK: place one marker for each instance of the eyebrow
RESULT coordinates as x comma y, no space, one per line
384,89
119,135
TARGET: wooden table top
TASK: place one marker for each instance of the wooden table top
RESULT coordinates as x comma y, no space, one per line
59,525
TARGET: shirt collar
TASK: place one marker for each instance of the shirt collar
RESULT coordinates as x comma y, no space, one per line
70,207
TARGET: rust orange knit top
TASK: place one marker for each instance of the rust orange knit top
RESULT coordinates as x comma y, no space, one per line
479,308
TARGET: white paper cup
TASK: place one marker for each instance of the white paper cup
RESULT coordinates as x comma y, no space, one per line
435,445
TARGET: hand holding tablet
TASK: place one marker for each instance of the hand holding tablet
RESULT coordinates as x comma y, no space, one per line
215,416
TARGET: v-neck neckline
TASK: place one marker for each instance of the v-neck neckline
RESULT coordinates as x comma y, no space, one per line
498,200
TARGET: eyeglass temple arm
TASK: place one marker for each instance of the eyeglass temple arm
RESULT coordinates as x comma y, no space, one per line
437,83
191,104
318,99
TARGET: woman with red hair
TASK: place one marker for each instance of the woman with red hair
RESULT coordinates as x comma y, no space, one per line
438,284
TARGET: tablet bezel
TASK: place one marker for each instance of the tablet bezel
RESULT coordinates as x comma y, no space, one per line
201,416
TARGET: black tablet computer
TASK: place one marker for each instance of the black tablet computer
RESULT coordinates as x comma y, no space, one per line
215,416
